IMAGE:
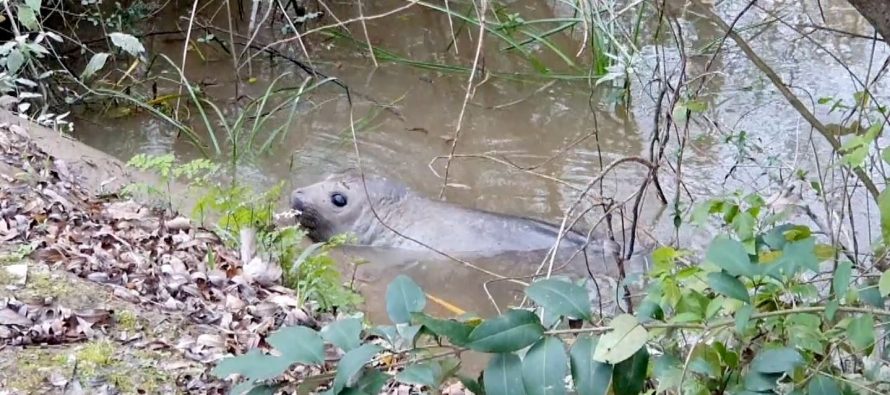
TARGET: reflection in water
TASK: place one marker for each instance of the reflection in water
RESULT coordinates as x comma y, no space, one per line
520,122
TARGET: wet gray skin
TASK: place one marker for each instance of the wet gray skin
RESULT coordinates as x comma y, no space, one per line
339,205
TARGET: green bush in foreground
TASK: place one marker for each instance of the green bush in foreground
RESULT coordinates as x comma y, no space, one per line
749,318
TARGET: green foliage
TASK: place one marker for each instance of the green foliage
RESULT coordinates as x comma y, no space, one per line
511,331
629,376
757,317
311,271
626,337
314,274
298,344
403,297
544,367
503,375
563,298
591,376
344,333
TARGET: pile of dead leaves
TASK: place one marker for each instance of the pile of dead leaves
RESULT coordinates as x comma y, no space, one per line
22,323
162,262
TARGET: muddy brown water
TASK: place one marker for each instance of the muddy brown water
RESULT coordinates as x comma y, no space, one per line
527,121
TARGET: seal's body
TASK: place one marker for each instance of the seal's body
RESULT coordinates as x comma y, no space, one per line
339,205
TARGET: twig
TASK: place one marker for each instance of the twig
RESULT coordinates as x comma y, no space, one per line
185,48
562,226
470,91
726,322
361,14
843,32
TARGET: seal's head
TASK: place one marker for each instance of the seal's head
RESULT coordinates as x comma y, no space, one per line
339,204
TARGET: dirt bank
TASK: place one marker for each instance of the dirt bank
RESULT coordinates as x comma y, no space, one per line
102,294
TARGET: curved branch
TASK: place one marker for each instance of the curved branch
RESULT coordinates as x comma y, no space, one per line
789,96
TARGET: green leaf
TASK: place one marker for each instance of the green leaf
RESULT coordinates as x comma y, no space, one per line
27,16
743,224
458,333
408,332
742,316
403,297
776,360
388,333
807,339
730,255
97,62
693,302
804,319
686,318
370,383
352,363
775,237
562,297
34,4
549,318
472,385
629,376
14,61
823,385
254,365
869,294
667,370
861,332
714,307
511,331
855,150
679,112
590,377
649,311
728,285
664,258
298,344
128,43
884,209
343,333
801,253
696,105
428,374
503,375
706,364
544,367
761,382
841,280
245,388
831,308
622,342
730,358
884,284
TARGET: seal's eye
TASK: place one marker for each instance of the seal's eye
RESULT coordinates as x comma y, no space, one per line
338,199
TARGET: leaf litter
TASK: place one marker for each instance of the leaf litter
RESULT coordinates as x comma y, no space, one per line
146,258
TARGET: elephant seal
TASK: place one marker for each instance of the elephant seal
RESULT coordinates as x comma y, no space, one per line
339,205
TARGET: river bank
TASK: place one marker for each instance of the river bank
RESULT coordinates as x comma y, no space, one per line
102,294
